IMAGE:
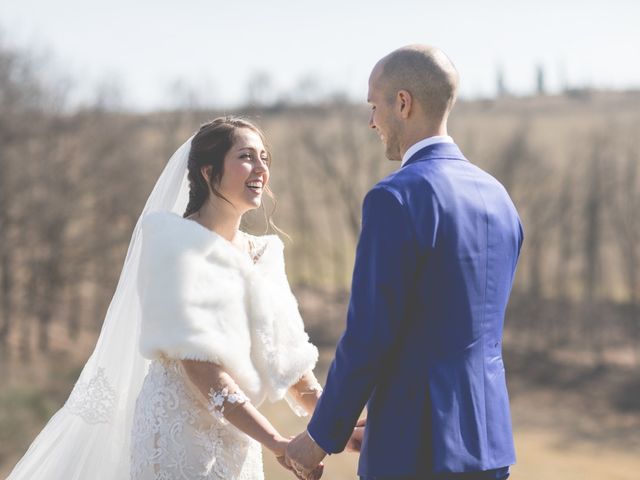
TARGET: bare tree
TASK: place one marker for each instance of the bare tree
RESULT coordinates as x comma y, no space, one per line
627,228
564,220
592,251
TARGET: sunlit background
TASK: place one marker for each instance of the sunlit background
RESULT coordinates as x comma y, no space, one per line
158,54
95,96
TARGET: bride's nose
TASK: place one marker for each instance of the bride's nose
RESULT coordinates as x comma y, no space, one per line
261,166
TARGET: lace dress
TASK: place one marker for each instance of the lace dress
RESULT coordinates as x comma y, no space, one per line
176,436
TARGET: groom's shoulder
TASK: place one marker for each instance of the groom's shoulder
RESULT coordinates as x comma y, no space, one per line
392,184
400,187
406,179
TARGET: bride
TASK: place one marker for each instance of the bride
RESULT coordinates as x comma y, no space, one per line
202,328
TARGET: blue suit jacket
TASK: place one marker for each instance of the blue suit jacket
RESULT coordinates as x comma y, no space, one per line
423,344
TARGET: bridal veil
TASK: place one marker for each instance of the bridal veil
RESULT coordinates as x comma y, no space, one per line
89,437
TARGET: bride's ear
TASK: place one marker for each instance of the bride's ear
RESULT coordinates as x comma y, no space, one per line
205,171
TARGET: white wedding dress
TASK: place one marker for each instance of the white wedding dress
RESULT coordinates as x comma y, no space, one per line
176,437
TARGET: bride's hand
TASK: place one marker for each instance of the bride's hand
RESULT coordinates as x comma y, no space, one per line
282,461
314,474
278,446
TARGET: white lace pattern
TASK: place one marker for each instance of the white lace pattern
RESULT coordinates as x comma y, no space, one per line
175,436
94,401
218,399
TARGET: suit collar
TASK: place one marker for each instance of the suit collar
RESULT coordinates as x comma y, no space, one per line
443,151
425,142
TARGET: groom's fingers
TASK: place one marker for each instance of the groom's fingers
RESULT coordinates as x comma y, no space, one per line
286,462
290,462
317,472
293,470
300,472
313,474
282,461
355,441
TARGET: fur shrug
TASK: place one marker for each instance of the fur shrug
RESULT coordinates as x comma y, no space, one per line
203,299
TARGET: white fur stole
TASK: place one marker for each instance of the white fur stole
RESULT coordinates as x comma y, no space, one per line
203,299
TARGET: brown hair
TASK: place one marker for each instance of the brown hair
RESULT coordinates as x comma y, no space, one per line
208,148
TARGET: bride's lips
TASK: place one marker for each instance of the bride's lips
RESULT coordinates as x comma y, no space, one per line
255,186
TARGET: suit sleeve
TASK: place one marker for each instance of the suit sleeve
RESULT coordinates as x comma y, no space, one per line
384,268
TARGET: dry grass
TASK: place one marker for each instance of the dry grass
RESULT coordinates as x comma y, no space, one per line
542,454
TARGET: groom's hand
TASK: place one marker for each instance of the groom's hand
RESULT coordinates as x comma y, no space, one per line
282,461
355,441
304,456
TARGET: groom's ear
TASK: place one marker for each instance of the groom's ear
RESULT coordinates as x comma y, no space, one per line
404,103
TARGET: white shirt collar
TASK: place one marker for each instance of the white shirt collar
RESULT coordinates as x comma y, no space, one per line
425,142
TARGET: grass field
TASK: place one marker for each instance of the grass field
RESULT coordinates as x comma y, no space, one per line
570,422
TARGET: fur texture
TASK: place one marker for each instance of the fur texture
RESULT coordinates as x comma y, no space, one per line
203,299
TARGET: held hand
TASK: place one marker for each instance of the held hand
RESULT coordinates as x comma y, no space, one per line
355,441
278,447
283,462
304,456
315,474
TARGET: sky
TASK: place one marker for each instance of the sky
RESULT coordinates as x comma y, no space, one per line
143,49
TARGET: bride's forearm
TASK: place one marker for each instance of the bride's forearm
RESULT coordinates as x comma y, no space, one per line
248,419
307,391
224,399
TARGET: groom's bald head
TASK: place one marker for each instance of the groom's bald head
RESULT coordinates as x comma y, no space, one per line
423,71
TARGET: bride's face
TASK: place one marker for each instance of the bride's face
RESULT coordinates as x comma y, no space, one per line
246,171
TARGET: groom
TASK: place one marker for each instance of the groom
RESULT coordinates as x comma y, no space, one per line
434,267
